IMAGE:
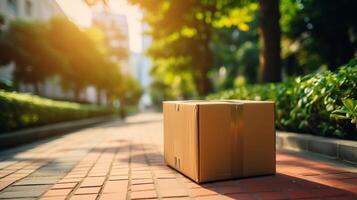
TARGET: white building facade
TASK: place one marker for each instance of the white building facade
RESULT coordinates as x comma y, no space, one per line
29,9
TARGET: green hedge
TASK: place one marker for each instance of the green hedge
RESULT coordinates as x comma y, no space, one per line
321,104
19,110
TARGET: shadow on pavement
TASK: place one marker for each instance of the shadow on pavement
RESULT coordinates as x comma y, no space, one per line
279,186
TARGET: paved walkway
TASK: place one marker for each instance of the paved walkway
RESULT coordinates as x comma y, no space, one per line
124,161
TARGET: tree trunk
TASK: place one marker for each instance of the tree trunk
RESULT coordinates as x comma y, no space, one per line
99,99
269,33
205,63
109,100
77,92
203,84
36,86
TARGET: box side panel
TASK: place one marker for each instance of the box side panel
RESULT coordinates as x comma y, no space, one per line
180,138
169,122
259,139
215,159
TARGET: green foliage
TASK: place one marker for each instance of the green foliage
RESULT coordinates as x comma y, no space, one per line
248,57
80,57
310,104
81,52
318,32
185,30
238,53
187,47
19,110
238,17
128,95
27,44
348,111
172,79
216,34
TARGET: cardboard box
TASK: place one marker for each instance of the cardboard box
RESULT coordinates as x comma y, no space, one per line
217,140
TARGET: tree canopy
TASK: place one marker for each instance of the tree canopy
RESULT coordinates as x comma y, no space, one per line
27,44
80,57
202,46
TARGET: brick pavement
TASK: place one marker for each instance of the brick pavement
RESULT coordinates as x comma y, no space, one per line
124,161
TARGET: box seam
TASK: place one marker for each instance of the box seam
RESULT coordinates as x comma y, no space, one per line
198,144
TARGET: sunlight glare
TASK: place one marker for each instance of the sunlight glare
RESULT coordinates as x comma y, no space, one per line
134,16
77,11
81,14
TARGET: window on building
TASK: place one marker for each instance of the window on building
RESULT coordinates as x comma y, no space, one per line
12,5
28,7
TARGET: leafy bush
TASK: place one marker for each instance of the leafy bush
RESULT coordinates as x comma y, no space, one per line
349,111
19,110
321,104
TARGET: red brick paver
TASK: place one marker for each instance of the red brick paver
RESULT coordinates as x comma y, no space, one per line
124,161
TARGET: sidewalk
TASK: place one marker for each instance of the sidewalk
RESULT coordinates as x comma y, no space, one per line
124,161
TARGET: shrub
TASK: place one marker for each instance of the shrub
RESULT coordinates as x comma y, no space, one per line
19,110
321,104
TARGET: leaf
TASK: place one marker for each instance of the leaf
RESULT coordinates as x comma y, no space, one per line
349,104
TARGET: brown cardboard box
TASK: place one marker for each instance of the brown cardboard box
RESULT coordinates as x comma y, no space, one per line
217,140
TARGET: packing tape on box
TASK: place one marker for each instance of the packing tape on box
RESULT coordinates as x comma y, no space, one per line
237,140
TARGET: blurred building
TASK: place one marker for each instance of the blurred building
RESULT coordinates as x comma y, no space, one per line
143,67
115,27
29,9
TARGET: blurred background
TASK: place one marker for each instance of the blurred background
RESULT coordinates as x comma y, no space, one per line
82,51
133,54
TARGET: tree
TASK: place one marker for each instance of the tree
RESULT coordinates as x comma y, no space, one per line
91,64
79,56
269,30
27,44
5,56
242,13
236,47
128,92
188,29
81,51
109,79
322,32
107,72
182,30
